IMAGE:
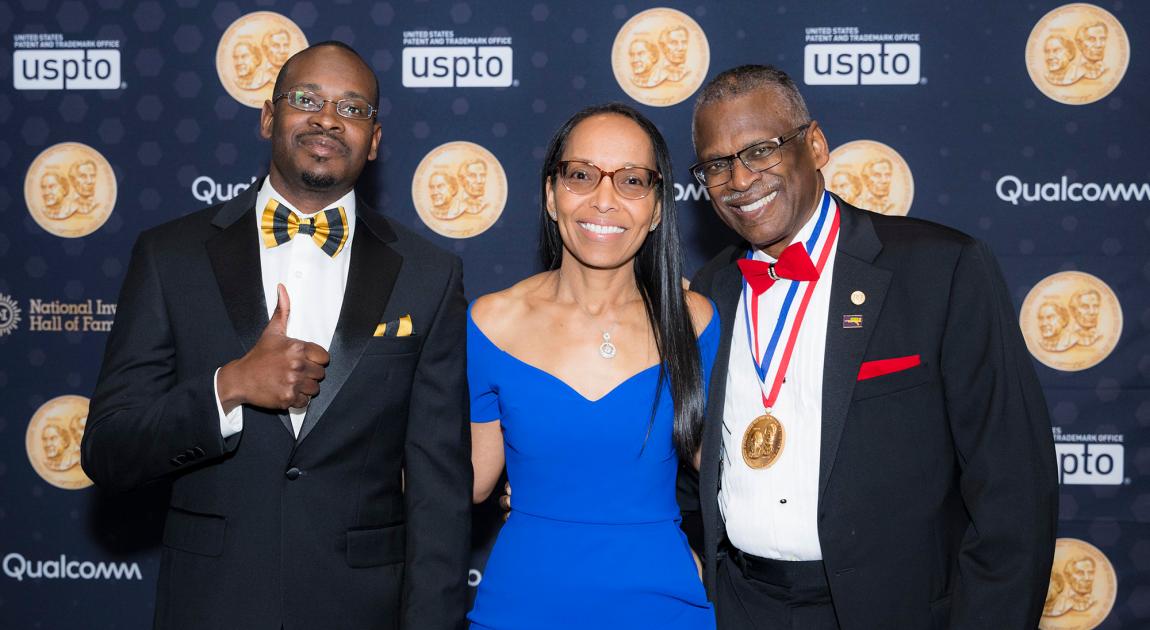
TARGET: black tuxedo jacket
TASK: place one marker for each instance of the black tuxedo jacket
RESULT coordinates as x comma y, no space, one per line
937,486
364,520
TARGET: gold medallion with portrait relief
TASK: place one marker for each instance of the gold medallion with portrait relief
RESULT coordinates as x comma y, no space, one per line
70,189
1071,321
1082,587
459,189
251,52
872,176
1077,54
53,441
764,441
660,57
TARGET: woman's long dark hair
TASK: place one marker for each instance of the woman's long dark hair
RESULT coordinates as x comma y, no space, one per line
658,273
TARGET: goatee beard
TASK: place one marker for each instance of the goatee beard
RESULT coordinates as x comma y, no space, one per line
317,182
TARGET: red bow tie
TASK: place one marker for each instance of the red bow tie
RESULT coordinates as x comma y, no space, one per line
793,264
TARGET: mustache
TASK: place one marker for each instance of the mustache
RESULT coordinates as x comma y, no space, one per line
754,192
335,139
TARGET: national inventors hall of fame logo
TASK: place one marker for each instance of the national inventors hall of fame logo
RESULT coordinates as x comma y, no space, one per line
9,314
1082,588
1077,54
459,189
53,441
1071,321
872,176
660,57
70,189
251,52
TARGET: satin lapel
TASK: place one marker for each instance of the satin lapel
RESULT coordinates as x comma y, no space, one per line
370,279
845,347
235,257
725,293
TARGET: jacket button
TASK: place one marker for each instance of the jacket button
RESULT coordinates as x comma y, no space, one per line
198,452
293,473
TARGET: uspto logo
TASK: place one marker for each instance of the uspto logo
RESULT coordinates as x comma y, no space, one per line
1077,54
1071,321
251,53
9,314
459,189
871,176
70,189
660,57
53,441
1082,587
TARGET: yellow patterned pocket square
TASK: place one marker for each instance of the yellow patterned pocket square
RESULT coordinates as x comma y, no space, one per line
398,328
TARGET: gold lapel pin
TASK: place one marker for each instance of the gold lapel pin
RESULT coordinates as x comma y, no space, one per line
857,298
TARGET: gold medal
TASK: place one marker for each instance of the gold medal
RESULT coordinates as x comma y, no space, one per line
763,441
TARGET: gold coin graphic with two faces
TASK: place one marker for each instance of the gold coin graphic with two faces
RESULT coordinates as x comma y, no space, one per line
70,189
251,52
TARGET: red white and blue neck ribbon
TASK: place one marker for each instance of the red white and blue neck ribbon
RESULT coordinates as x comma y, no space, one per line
772,368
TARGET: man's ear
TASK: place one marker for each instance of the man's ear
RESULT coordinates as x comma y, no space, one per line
376,134
816,143
267,118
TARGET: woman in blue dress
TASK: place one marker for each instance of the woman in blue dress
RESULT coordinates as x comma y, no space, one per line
588,381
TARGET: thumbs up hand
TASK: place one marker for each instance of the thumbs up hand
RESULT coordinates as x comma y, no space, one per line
278,372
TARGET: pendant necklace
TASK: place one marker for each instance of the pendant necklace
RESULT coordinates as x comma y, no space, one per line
607,349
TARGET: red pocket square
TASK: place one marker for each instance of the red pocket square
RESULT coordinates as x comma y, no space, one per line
871,369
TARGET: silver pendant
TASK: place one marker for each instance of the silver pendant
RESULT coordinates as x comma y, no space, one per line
607,349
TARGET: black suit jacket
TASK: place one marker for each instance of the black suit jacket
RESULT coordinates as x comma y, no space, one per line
266,530
937,486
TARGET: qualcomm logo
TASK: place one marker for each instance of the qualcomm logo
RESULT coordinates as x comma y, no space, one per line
692,192
208,190
1012,189
17,567
434,59
843,56
44,61
1090,459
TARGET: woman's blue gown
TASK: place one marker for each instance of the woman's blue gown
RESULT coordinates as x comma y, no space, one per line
593,539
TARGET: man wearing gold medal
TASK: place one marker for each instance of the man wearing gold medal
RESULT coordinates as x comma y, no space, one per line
877,452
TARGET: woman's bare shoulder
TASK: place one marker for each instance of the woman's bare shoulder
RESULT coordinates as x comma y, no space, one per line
504,310
700,309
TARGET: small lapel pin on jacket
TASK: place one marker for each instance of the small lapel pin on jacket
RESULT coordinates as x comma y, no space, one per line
852,321
857,298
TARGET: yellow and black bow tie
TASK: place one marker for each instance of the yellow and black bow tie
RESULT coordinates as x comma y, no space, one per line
328,228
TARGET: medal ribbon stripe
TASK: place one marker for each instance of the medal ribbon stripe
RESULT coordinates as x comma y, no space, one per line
812,242
763,367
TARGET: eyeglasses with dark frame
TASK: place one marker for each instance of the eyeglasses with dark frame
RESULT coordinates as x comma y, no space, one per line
757,158
304,100
631,182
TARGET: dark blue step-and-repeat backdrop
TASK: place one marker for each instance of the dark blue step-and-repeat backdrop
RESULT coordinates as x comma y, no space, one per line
1022,123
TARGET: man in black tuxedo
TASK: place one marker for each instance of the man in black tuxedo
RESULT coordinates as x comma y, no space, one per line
883,457
293,363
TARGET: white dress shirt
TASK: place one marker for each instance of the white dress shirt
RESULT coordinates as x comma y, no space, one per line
314,281
773,512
